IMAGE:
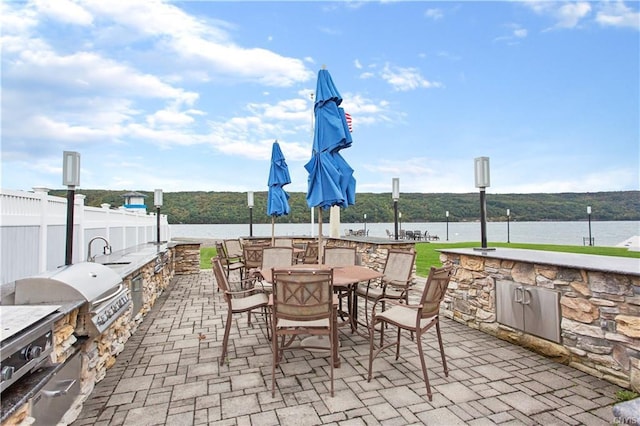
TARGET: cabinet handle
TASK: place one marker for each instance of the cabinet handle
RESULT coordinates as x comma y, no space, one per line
68,384
518,292
525,300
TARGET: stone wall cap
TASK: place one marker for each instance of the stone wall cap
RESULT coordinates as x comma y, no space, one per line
619,265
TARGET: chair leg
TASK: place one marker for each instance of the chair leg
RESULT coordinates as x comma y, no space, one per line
398,344
371,356
444,360
274,344
225,340
423,363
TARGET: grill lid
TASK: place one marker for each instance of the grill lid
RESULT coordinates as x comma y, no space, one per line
82,281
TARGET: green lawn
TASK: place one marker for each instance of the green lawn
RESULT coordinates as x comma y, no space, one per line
428,256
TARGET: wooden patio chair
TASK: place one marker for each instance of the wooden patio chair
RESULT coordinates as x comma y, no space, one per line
339,256
275,257
303,304
237,302
395,283
229,263
283,242
252,259
311,253
233,248
336,257
415,318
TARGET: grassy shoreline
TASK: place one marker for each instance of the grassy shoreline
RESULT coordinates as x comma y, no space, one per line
427,254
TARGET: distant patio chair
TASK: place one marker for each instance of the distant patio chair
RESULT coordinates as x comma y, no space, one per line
415,318
339,256
311,253
275,257
283,242
229,263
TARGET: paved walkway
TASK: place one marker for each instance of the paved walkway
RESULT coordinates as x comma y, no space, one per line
169,374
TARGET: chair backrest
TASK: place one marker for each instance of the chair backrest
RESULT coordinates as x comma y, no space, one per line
311,253
435,290
222,253
220,276
276,257
302,294
283,242
233,248
252,256
399,267
339,256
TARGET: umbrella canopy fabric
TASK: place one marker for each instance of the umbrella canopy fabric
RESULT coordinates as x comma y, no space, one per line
331,181
277,198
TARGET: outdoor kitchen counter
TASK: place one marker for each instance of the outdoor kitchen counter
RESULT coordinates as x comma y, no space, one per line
581,309
619,265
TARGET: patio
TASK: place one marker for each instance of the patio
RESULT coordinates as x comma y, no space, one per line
168,374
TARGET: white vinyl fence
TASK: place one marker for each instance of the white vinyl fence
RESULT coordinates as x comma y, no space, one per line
33,231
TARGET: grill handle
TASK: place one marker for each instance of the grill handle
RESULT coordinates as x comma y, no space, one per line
99,301
68,384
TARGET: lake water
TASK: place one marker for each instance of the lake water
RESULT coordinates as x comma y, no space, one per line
565,233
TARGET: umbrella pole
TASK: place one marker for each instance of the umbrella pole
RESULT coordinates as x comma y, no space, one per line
320,235
273,234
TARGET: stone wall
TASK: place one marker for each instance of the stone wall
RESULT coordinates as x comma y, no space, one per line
600,324
187,258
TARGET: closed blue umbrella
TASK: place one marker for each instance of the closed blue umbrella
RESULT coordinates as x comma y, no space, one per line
277,198
331,181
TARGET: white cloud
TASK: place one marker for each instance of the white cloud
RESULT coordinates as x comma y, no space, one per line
434,14
357,64
65,11
617,14
405,79
520,33
565,14
197,39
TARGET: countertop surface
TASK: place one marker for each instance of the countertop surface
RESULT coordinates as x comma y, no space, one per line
125,262
621,265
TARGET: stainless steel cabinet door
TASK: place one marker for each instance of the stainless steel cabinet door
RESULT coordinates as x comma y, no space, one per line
542,312
508,307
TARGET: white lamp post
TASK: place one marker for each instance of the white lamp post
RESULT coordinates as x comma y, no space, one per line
508,218
70,178
395,194
250,204
157,201
482,178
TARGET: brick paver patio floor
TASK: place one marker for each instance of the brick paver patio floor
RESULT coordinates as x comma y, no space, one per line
169,374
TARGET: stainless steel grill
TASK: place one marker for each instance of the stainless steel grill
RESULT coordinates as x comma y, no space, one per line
102,290
27,340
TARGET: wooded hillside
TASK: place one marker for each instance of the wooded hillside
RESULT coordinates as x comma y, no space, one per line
231,207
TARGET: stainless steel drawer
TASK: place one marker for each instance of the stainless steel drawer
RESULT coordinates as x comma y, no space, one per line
56,397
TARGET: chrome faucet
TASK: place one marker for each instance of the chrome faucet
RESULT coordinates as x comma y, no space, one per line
106,249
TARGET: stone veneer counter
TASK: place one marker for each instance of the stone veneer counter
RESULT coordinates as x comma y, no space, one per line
592,303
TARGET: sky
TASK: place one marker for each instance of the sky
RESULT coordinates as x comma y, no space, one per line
190,96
